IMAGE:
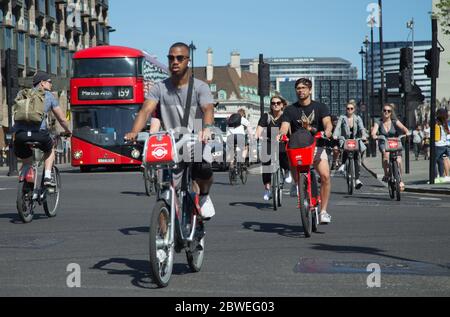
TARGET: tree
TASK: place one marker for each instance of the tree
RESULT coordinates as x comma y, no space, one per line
443,14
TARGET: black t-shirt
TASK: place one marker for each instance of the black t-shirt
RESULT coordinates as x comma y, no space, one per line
315,113
267,121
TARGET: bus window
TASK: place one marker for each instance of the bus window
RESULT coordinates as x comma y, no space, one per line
105,67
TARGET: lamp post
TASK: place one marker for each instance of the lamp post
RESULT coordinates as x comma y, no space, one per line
192,48
383,93
363,97
368,96
373,144
410,25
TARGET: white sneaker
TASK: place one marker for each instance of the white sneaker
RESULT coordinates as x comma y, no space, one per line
358,184
325,218
447,179
267,195
288,179
207,210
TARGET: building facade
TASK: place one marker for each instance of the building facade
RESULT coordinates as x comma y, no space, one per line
391,52
46,34
337,93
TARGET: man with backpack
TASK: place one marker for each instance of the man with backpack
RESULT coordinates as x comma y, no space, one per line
237,134
30,112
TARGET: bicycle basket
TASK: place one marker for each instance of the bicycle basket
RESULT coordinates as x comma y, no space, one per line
160,149
351,145
301,156
393,145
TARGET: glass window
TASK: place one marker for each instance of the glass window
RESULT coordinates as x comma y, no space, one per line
103,125
8,38
106,67
43,56
52,8
32,50
21,48
53,60
41,6
63,62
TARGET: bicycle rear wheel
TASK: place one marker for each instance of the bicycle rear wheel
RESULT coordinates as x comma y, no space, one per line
24,202
161,248
305,205
51,194
243,173
232,175
196,249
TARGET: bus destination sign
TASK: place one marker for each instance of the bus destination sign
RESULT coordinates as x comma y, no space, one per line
105,93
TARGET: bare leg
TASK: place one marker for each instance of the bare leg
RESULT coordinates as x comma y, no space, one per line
325,182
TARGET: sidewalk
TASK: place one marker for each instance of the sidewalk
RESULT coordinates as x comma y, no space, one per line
415,181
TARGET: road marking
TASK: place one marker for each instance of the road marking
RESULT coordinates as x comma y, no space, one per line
429,198
6,189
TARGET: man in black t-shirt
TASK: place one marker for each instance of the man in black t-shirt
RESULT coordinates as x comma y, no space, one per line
314,117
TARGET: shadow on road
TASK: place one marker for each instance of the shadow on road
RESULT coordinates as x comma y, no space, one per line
357,250
138,270
281,229
15,219
259,206
134,193
134,231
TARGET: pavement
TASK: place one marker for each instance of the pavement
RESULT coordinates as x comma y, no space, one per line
102,226
416,181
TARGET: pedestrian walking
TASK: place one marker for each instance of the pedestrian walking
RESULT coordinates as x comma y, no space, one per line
418,137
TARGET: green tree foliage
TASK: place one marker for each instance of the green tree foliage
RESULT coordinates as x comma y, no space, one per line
444,15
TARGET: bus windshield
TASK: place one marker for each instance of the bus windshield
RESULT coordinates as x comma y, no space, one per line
103,125
105,67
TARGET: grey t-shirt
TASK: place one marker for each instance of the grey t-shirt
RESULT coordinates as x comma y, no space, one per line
50,103
172,102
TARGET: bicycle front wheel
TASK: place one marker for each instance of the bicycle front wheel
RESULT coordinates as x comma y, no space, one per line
24,202
275,186
243,173
305,205
51,194
396,175
196,251
161,248
350,176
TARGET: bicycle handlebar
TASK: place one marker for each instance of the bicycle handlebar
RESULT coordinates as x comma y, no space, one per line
382,137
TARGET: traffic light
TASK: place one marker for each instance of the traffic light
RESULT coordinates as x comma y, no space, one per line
432,60
263,79
406,69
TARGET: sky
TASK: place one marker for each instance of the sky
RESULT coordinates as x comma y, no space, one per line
276,28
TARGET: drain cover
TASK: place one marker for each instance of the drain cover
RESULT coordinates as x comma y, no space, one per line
320,266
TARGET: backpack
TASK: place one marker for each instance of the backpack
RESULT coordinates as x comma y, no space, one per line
29,106
234,120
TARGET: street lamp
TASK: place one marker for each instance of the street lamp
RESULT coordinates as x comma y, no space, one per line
363,99
369,97
410,25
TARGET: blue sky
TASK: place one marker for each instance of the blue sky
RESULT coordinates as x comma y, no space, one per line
277,28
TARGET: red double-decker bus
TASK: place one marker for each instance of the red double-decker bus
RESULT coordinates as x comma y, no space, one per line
106,92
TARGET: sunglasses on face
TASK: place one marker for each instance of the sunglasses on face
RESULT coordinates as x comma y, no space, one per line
350,109
179,58
278,103
387,111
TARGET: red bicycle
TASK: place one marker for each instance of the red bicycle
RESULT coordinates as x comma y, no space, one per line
308,192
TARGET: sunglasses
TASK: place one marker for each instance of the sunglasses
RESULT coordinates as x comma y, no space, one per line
387,111
278,103
179,58
350,109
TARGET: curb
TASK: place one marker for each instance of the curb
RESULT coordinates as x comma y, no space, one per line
412,189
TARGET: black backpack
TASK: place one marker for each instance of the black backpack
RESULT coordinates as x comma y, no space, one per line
234,120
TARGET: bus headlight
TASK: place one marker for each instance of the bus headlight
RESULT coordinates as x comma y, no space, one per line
135,154
78,155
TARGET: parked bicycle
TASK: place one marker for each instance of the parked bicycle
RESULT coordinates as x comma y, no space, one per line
393,146
175,224
351,149
31,190
308,192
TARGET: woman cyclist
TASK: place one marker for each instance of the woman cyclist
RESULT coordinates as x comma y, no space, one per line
351,126
389,127
267,122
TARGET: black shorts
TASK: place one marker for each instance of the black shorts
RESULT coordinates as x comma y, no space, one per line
23,151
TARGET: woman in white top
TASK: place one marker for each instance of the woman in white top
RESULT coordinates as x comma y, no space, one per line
239,135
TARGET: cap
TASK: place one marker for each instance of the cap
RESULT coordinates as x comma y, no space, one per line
40,76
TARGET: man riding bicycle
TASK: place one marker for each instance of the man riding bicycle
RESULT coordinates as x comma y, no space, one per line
169,99
315,117
38,131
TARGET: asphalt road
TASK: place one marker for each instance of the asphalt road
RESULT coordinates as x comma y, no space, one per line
251,251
